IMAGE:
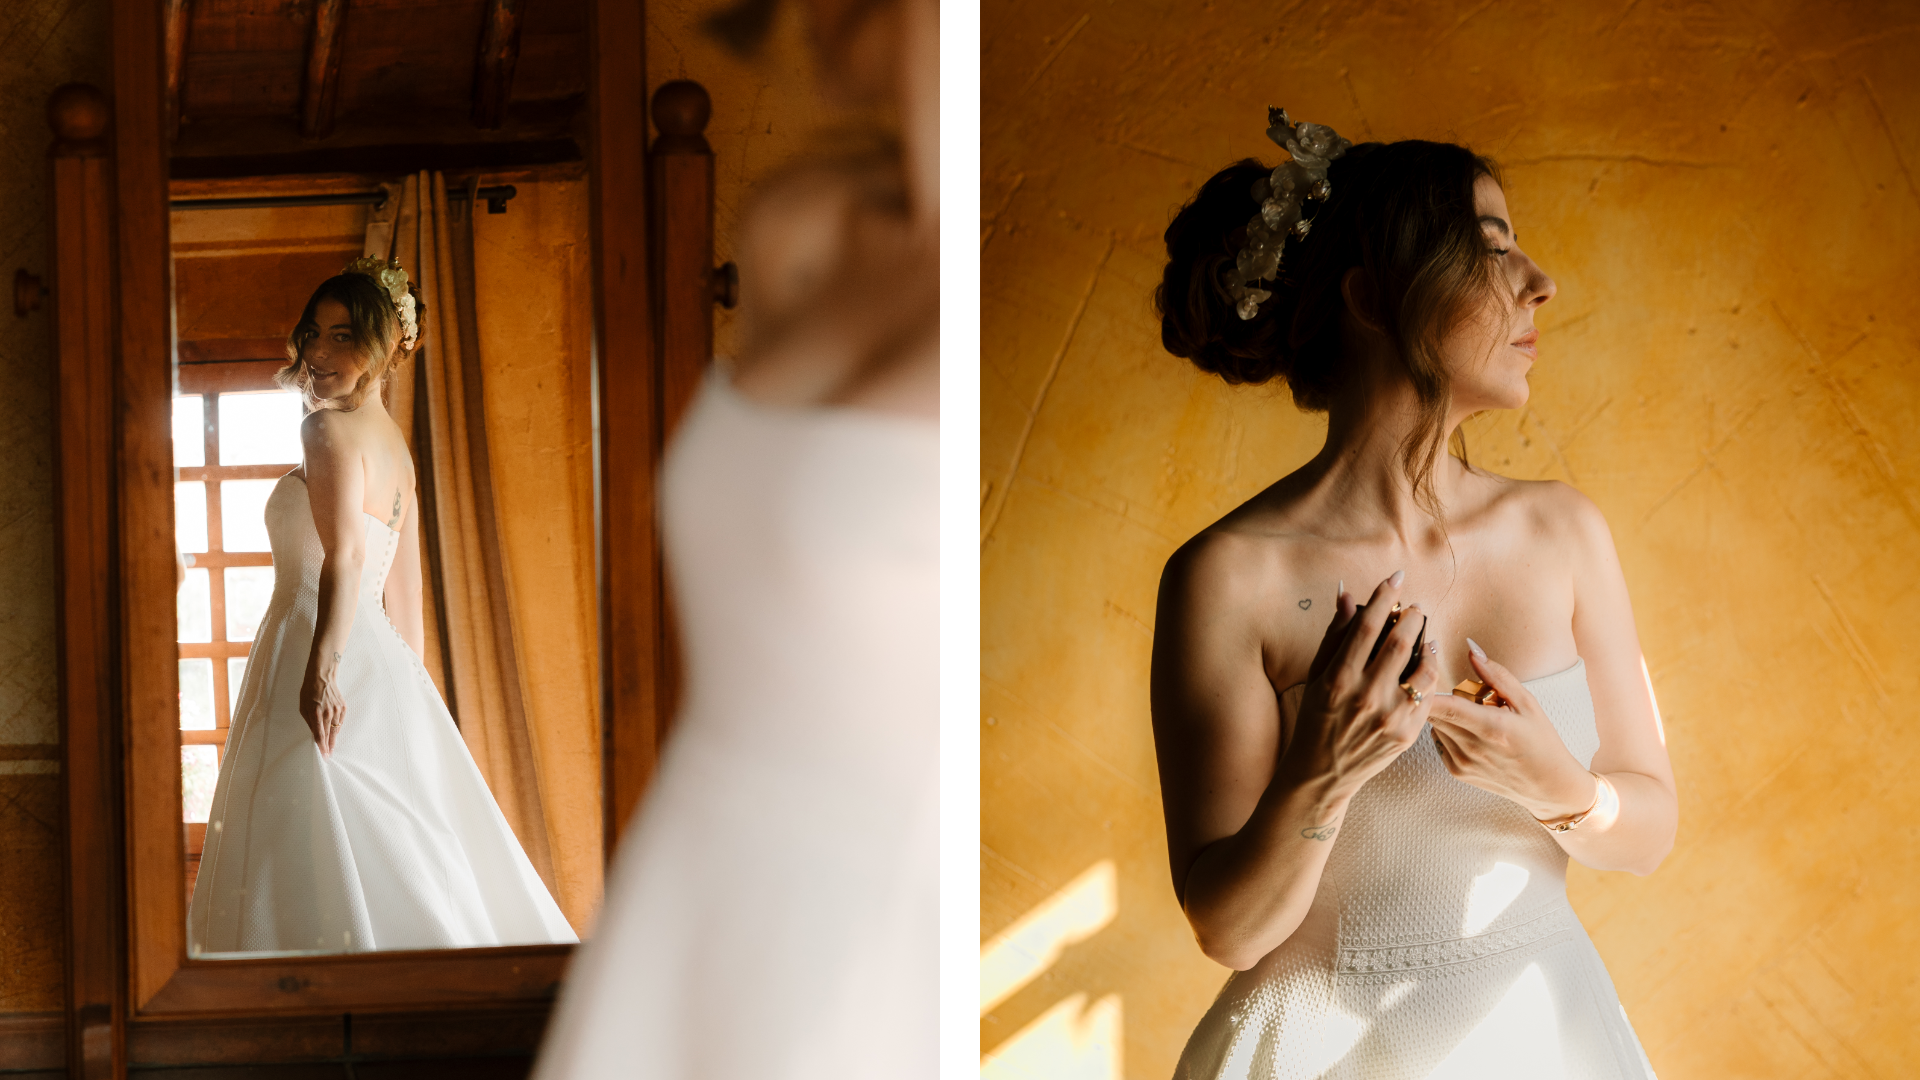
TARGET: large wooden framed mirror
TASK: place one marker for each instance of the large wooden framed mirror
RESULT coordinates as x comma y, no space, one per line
239,156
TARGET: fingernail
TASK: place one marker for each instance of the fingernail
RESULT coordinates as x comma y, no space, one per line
1474,648
1398,577
1343,589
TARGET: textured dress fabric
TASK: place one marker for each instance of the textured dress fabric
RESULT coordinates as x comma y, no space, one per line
392,843
1440,943
772,913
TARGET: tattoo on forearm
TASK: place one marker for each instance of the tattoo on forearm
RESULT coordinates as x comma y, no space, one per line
1321,832
336,657
394,521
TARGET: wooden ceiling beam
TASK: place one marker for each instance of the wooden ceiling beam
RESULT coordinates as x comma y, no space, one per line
177,14
493,66
325,43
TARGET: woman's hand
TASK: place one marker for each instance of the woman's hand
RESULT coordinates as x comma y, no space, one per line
322,707
1355,716
1512,751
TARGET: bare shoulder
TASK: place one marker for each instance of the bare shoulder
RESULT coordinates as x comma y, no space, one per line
331,437
1231,567
1548,509
324,429
1570,514
1238,592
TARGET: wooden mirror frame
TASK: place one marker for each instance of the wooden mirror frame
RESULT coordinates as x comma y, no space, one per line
129,980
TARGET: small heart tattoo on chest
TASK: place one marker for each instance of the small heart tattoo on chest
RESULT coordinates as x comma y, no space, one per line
1305,604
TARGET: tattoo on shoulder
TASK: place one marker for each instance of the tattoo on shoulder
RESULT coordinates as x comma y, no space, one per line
1306,604
395,519
1321,832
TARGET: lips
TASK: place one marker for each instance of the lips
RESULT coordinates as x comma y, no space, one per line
1525,342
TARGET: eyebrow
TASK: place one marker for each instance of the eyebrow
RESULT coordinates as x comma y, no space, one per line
1501,224
349,326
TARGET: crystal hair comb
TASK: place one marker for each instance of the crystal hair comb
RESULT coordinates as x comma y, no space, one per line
1314,147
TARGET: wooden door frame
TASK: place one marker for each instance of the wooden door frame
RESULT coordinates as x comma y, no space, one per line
126,939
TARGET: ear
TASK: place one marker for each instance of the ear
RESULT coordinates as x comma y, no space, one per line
1356,288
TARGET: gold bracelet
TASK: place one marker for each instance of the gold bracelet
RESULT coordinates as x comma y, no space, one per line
1603,793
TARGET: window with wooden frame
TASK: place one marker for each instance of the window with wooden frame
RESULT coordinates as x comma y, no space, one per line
234,434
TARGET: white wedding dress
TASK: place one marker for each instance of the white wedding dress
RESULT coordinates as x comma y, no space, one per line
773,910
392,843
1440,944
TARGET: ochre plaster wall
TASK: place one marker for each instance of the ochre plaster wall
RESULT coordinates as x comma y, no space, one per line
1726,196
43,43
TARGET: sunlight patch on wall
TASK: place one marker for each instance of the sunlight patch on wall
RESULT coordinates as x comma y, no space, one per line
1071,1041
1017,955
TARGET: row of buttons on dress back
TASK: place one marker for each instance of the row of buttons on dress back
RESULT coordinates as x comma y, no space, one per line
419,665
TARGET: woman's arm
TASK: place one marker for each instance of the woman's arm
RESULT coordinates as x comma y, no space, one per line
405,587
1249,821
1516,753
1633,748
336,489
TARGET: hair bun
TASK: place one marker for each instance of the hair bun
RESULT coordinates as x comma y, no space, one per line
1197,317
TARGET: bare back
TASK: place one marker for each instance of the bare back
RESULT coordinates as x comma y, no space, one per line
370,440
358,463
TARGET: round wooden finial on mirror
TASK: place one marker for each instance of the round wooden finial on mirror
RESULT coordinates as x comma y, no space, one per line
682,107
78,114
681,110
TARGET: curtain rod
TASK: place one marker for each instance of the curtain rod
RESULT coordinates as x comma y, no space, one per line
496,198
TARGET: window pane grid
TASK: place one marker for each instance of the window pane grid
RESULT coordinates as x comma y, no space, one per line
207,609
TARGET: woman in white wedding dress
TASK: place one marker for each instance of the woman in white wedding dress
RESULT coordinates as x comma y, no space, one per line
772,913
1383,862
349,815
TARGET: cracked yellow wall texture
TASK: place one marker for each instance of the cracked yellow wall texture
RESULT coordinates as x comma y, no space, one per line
1726,194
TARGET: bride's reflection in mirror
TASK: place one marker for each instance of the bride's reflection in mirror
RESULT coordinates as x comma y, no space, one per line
348,813
379,750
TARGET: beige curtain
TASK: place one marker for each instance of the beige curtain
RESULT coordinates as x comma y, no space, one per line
439,405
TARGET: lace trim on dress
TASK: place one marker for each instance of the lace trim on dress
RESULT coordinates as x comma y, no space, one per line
1392,963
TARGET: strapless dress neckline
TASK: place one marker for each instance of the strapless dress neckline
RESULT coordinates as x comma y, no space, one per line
368,514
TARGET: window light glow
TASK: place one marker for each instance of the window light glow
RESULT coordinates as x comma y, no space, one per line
189,431
260,428
196,694
190,516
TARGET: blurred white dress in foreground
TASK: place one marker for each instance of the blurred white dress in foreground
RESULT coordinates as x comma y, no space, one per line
773,909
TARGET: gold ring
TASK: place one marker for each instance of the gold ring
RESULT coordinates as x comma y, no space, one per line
1413,695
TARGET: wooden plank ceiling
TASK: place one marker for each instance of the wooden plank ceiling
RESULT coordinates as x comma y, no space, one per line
258,87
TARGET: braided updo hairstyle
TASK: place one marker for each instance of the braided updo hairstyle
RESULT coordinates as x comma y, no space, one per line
1402,211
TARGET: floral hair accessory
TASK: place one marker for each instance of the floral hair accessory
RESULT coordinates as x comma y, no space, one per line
1314,147
394,281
